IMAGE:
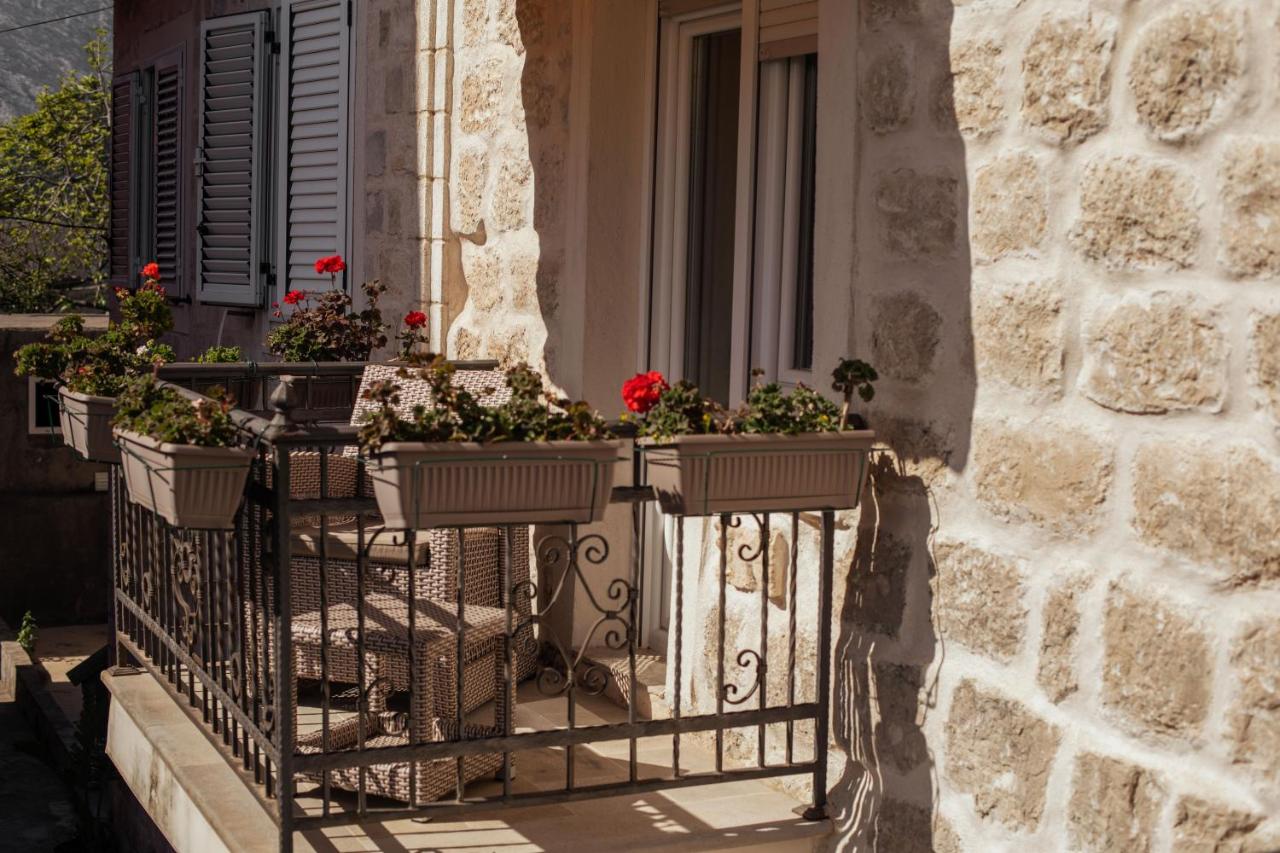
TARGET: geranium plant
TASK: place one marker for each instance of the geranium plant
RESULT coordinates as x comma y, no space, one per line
181,456
98,365
530,413
412,334
149,408
662,410
531,458
323,326
778,451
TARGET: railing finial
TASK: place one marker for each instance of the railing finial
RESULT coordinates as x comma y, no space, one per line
283,400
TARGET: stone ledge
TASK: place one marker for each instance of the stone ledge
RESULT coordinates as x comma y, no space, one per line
195,798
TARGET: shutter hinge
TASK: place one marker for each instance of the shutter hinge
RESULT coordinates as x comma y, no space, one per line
350,12
273,43
199,161
266,268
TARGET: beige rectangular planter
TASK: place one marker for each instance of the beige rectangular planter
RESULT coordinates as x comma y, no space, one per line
423,484
86,425
707,474
187,486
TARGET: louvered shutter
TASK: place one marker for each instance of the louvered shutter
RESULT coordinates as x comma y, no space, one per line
231,162
166,200
120,256
314,174
788,28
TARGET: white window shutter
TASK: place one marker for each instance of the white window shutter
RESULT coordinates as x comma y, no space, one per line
231,161
314,140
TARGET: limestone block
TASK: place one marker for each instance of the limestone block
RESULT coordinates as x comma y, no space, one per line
1000,752
1157,667
907,828
905,336
969,97
509,206
919,214
482,269
1254,719
1049,475
1264,361
888,93
1057,673
1066,76
483,87
876,597
1019,336
978,599
1151,353
899,705
1010,207
1114,805
468,190
1212,503
1185,68
1203,826
1137,213
1250,245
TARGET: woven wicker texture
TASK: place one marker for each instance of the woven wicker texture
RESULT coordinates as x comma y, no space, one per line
433,779
432,683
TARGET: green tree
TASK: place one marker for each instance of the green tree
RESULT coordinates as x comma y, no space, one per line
53,192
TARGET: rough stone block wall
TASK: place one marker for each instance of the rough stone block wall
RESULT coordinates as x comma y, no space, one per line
510,135
1060,625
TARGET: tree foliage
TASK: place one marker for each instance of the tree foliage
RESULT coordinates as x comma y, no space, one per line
53,191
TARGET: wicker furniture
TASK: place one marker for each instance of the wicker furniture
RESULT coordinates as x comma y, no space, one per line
431,681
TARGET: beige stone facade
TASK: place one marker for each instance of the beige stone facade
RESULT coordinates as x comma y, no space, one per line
1053,227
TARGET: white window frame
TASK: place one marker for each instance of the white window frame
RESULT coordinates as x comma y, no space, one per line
671,198
33,383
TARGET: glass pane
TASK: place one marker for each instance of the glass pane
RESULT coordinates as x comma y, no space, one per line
713,157
802,334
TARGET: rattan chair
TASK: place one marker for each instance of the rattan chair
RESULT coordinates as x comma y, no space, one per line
385,587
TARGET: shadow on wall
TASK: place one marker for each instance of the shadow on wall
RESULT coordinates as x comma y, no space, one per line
912,311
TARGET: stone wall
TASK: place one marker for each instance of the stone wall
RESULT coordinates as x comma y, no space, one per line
1060,627
1057,608
509,141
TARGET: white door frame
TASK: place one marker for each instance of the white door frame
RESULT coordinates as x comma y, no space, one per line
664,321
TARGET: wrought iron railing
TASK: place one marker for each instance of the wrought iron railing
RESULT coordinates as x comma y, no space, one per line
222,619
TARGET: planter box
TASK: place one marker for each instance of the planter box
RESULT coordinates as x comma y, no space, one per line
187,486
421,485
86,425
708,474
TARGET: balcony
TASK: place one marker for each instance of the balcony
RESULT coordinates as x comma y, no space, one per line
513,706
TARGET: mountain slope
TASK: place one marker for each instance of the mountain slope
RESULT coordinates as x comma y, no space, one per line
37,56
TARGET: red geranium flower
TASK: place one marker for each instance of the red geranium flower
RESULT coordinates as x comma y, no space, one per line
151,270
293,297
332,264
642,391
415,319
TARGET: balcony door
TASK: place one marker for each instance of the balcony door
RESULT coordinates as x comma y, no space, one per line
732,263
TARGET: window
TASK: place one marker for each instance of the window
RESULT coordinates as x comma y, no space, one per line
270,157
734,194
273,101
42,407
782,303
146,177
